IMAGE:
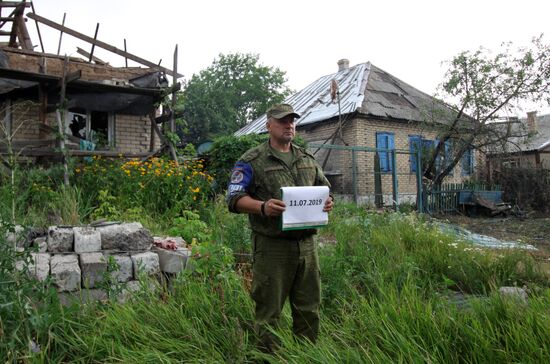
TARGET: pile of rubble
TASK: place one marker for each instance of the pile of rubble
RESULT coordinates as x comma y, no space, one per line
76,258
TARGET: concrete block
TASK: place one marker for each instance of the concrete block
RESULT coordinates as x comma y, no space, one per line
65,271
172,261
60,240
41,244
515,293
126,237
131,288
125,270
41,266
82,297
38,267
17,238
147,262
92,265
86,240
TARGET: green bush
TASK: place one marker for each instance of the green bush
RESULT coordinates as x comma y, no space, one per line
529,188
226,151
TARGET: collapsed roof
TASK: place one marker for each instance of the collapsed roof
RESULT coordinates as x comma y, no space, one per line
27,74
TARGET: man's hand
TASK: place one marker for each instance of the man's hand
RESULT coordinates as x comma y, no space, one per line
328,205
274,207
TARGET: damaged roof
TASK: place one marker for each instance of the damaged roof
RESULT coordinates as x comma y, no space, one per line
536,141
364,89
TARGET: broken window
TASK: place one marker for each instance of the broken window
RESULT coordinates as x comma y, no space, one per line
97,127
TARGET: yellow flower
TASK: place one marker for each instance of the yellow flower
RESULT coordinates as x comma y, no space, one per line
195,190
77,170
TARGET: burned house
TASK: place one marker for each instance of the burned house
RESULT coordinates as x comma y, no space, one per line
94,107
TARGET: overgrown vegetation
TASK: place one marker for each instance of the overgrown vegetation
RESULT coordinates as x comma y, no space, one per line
395,289
529,188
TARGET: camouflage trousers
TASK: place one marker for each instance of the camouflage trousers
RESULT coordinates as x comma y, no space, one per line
285,268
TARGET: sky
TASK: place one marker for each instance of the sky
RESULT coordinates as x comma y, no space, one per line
305,38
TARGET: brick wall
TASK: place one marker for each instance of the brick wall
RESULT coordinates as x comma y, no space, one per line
133,134
24,121
31,61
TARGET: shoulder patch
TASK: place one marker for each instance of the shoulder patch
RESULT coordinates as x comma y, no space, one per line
237,176
241,178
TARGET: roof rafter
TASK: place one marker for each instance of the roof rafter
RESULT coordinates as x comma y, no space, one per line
100,44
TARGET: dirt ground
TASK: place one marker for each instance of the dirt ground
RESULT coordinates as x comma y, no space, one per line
534,230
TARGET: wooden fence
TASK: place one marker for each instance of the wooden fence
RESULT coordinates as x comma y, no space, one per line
451,197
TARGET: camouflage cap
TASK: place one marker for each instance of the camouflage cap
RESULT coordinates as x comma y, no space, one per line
279,111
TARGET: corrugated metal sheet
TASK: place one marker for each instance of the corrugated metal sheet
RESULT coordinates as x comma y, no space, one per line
364,88
314,103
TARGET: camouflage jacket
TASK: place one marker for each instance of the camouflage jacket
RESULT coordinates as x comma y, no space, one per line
260,175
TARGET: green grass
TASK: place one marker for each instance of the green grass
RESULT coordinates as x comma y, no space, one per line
388,288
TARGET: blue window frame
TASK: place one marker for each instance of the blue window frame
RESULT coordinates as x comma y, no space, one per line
384,140
467,162
448,154
415,143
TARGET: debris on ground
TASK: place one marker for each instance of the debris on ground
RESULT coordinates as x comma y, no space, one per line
482,240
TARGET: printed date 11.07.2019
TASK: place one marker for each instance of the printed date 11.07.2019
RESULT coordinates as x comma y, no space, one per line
314,202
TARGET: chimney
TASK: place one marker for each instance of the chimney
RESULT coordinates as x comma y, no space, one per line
532,122
343,65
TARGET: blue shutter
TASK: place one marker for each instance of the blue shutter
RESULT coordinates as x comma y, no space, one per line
467,162
438,159
381,143
392,147
415,143
447,157
384,141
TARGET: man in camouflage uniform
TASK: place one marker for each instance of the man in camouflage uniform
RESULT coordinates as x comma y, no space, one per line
285,262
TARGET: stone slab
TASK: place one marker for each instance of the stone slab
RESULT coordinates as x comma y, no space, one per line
86,240
17,238
41,268
172,261
38,267
93,266
126,237
125,270
41,244
60,239
516,293
65,271
147,262
82,297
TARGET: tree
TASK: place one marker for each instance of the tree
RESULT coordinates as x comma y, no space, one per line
483,88
232,91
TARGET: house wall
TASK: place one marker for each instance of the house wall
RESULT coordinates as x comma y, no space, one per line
544,156
132,133
362,132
